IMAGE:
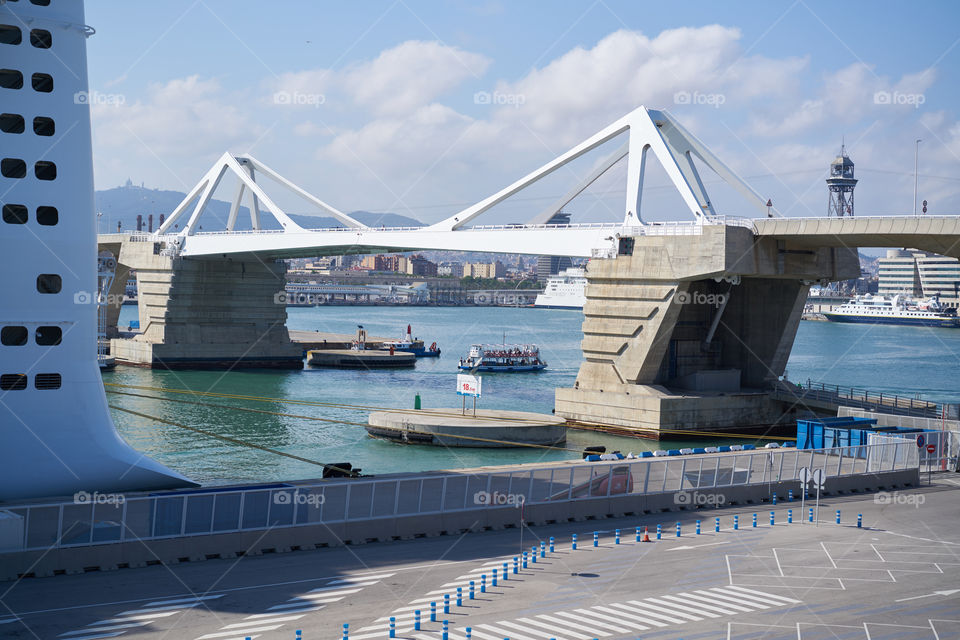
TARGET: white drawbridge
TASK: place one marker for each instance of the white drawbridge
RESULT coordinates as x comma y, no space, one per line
646,131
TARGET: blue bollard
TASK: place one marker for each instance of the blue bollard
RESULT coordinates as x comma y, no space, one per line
811,514
638,534
659,531
574,542
754,520
678,529
433,612
346,629
774,499
736,523
483,583
790,495
471,590
446,630
506,573
771,518
551,544
524,560
838,516
494,577
416,620
789,516
716,525
446,603
543,549
596,538
698,527
516,565
393,627
859,521
459,596
469,631
533,554
299,633
616,536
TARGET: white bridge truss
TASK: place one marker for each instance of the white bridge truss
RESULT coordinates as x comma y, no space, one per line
647,130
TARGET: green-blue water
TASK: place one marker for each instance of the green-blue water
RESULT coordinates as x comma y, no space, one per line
891,359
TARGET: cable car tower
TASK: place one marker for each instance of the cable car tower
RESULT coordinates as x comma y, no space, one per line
841,183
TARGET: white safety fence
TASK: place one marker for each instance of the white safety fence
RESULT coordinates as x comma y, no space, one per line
97,518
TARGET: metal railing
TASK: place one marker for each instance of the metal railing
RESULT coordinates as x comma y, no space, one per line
106,518
862,399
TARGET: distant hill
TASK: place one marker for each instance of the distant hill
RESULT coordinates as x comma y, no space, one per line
125,203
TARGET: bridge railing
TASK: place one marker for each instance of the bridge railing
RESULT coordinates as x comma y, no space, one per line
864,399
96,518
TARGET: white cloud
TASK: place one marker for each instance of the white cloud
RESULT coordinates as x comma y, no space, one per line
411,75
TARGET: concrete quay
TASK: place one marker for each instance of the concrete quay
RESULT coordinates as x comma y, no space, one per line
893,577
318,340
450,428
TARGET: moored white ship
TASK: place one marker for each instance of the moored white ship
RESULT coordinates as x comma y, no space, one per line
896,310
566,290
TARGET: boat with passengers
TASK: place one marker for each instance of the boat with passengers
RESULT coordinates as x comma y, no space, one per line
503,357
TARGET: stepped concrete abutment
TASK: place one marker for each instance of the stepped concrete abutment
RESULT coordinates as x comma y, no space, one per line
690,333
203,313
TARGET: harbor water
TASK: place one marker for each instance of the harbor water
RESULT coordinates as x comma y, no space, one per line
910,361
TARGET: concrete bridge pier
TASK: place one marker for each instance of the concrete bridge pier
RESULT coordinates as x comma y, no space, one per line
693,332
205,313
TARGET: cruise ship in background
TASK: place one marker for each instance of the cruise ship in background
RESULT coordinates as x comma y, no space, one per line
566,290
896,310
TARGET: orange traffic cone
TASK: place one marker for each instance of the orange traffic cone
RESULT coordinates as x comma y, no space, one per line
646,536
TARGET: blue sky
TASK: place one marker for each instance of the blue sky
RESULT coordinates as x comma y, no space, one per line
383,111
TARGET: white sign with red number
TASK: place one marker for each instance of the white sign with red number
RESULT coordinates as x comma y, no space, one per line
468,385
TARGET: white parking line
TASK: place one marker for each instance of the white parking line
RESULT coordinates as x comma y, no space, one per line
248,631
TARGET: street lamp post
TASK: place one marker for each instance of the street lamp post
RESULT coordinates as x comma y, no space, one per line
916,166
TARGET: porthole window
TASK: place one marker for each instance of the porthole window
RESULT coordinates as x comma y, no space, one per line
44,381
41,3
42,82
41,38
49,283
11,79
13,382
13,168
43,126
11,123
48,336
10,34
15,214
14,336
45,170
48,216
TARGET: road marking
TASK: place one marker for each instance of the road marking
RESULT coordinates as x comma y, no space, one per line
146,616
697,546
583,615
8,620
177,607
182,600
761,593
634,621
224,634
92,629
486,636
340,590
654,611
948,592
281,613
97,636
741,597
359,579
508,633
551,628
706,603
632,609
271,621
566,623
672,607
294,605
